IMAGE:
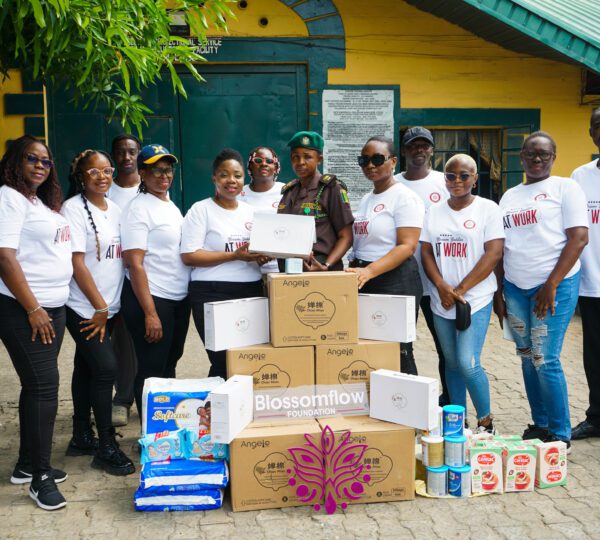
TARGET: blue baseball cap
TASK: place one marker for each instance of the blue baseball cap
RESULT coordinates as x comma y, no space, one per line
151,153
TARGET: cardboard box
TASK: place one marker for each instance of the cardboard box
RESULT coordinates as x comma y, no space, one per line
282,235
313,308
410,400
386,453
236,323
487,469
260,461
519,462
272,367
551,467
347,364
232,408
387,317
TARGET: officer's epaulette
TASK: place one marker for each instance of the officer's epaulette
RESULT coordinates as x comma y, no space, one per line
289,185
328,178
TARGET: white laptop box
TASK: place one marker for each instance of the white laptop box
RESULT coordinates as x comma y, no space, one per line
386,317
282,235
232,408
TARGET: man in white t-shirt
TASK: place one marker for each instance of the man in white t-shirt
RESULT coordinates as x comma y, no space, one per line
124,151
588,177
430,186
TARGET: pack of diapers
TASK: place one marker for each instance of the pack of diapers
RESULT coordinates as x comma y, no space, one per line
162,446
182,476
172,404
206,499
198,444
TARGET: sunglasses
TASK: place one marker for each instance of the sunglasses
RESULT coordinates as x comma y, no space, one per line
95,173
34,160
157,172
376,159
259,160
544,156
463,176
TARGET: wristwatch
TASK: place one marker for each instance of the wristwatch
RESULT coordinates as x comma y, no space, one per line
327,265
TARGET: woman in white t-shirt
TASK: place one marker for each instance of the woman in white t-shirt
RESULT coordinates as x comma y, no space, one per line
263,192
35,270
546,225
386,232
214,242
154,301
461,244
94,299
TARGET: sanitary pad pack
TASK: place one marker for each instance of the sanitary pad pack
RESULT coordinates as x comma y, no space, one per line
162,446
198,444
172,404
207,499
182,476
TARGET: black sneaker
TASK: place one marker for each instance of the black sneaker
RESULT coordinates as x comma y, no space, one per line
84,443
23,475
554,438
44,492
535,432
490,428
111,459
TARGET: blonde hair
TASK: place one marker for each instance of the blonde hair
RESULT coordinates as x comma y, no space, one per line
463,157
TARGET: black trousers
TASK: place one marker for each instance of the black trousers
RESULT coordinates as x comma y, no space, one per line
36,365
126,362
428,314
155,359
94,372
590,319
215,291
403,280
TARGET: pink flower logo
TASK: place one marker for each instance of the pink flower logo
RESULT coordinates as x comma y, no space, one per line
329,469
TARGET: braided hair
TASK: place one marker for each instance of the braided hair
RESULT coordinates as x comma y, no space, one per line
252,155
77,186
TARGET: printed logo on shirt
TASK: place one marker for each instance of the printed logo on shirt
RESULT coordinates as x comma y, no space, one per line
521,218
435,197
469,224
275,204
361,227
63,234
451,246
379,208
540,197
235,242
114,250
248,225
243,193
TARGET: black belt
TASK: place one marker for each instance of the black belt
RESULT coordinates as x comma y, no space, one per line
359,263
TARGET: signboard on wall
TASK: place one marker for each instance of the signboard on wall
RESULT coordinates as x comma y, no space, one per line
350,117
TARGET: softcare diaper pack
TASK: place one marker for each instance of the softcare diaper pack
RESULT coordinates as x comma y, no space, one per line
172,404
207,499
162,446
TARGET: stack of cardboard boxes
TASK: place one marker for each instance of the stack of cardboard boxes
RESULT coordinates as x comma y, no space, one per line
314,339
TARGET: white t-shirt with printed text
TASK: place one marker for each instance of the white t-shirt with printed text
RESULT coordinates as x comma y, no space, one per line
377,218
266,201
535,218
122,196
108,272
154,225
209,227
457,238
588,178
42,239
431,190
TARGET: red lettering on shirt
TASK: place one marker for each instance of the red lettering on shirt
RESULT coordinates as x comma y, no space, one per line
455,249
526,217
361,227
595,216
63,234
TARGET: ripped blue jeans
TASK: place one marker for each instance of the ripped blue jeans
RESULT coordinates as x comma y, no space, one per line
539,343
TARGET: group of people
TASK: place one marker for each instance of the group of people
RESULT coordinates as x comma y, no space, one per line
120,267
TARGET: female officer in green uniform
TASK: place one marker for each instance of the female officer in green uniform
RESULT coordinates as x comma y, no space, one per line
321,196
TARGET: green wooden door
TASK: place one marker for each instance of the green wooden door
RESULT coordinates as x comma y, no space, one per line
239,106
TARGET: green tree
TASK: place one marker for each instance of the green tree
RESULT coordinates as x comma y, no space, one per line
104,51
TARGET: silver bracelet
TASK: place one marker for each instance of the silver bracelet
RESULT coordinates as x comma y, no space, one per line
34,310
103,310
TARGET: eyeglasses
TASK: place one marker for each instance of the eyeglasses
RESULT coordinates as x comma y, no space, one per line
376,159
96,173
463,176
157,172
34,160
259,160
544,156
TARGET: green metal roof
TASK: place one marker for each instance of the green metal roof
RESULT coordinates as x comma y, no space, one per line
565,30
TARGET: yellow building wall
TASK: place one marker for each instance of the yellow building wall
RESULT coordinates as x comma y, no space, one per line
440,65
11,126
